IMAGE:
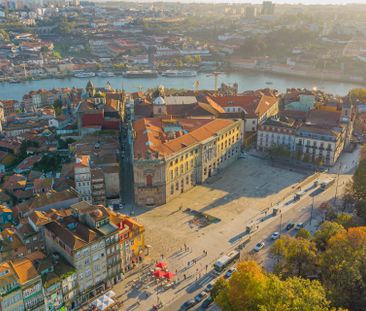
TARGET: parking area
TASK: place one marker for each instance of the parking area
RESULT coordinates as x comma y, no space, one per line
244,189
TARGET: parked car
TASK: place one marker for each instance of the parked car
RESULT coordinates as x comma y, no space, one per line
290,226
299,226
242,155
187,305
230,272
200,296
209,287
259,246
207,303
275,235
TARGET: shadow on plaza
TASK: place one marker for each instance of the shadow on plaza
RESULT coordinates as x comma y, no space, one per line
269,179
264,183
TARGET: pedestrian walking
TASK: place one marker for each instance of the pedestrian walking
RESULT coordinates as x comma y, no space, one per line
184,276
206,267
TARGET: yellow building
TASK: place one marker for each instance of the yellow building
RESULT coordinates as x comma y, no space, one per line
132,239
172,156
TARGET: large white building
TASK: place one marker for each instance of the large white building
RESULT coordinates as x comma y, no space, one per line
320,139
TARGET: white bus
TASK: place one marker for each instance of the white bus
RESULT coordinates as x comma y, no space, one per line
327,183
223,262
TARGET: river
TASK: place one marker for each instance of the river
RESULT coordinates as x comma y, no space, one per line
245,80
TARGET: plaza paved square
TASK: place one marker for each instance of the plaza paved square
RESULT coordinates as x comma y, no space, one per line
244,189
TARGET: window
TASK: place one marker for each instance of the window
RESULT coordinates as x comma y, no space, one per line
177,186
172,189
149,180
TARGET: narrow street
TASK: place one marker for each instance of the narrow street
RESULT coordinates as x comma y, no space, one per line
126,167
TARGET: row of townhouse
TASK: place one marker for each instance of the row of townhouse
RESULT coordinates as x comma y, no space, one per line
88,248
320,137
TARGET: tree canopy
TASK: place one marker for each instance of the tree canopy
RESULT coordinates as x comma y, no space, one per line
343,267
359,189
294,256
251,289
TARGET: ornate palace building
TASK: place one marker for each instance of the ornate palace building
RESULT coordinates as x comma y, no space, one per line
173,155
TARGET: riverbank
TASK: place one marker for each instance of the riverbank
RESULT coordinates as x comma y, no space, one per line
246,79
321,76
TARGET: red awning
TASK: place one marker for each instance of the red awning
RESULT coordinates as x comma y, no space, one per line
161,265
158,274
169,275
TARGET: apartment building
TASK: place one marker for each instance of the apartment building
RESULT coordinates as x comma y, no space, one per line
254,108
277,132
82,178
319,139
173,155
97,186
89,242
30,283
131,238
11,297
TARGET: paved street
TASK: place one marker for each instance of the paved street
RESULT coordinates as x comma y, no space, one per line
127,193
238,197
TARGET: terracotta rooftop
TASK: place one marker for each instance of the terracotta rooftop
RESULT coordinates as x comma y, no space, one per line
67,236
25,270
39,218
14,181
253,104
323,117
165,137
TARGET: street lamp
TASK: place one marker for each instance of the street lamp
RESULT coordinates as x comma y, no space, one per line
311,212
280,223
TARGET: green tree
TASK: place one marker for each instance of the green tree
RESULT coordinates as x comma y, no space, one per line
359,189
294,294
359,93
343,268
296,256
346,220
303,233
22,154
245,288
250,289
57,105
359,182
325,232
48,164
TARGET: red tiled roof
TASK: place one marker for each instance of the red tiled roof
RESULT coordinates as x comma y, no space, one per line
92,119
253,104
150,135
110,124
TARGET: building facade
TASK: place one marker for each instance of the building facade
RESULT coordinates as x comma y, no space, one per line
83,178
309,142
171,159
